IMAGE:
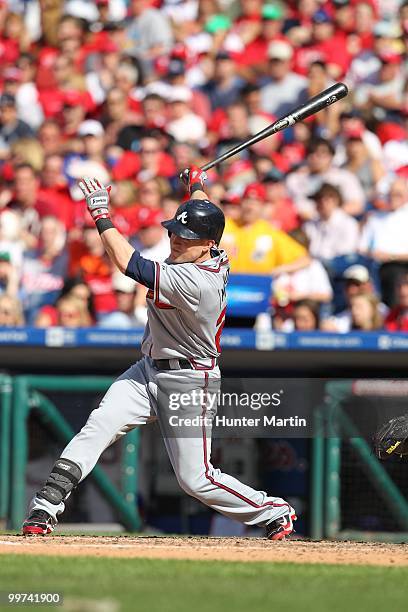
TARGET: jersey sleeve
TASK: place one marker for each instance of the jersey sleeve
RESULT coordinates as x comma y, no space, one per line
141,270
177,286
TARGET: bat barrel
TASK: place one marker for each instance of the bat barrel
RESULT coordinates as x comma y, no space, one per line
322,100
314,105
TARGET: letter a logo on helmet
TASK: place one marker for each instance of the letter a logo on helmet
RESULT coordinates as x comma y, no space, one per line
197,219
182,217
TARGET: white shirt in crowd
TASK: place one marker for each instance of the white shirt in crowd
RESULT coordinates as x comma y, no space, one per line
338,235
28,105
279,97
342,322
190,128
302,184
387,232
158,252
371,141
306,282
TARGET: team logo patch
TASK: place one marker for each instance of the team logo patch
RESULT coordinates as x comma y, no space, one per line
182,217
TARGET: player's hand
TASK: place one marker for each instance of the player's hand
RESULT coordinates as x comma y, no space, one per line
193,178
97,198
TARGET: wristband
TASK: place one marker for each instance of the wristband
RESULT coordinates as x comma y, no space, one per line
196,187
103,224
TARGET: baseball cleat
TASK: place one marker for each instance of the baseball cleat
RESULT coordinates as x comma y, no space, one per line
281,527
39,522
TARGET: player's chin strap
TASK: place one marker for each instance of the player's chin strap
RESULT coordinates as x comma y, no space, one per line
64,478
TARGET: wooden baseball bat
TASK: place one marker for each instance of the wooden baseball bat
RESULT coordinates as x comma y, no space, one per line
314,105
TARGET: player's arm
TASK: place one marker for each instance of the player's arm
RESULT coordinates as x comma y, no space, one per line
122,254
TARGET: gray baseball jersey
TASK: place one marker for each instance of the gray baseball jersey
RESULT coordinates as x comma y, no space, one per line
186,309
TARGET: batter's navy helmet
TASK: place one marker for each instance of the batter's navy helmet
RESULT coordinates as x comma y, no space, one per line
197,219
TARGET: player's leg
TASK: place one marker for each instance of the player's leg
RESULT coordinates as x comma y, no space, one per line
189,450
125,405
191,462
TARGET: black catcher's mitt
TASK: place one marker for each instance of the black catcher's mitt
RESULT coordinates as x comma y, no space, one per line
392,438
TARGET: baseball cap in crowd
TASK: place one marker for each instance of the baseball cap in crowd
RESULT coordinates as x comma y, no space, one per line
402,172
272,11
115,26
390,57
354,132
231,197
217,23
387,29
240,172
176,67
255,191
7,99
5,256
321,16
223,55
180,51
353,113
91,127
81,9
280,49
357,273
389,130
341,3
13,74
273,176
148,217
180,93
73,98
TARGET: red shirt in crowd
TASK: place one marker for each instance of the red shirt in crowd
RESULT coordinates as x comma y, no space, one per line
332,51
284,216
57,202
9,51
397,320
97,273
126,219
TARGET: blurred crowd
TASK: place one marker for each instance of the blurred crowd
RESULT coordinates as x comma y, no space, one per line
132,92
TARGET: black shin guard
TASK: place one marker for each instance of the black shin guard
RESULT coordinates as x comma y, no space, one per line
64,478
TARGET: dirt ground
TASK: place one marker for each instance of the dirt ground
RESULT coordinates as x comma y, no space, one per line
205,548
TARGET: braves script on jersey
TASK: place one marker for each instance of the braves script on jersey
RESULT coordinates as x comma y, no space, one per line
186,309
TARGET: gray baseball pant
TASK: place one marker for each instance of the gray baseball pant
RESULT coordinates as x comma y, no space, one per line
133,400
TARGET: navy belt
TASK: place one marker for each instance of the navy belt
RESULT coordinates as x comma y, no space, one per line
168,364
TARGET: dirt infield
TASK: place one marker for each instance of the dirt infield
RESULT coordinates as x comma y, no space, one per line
204,548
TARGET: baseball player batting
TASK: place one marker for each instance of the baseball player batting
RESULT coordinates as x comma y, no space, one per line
186,310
